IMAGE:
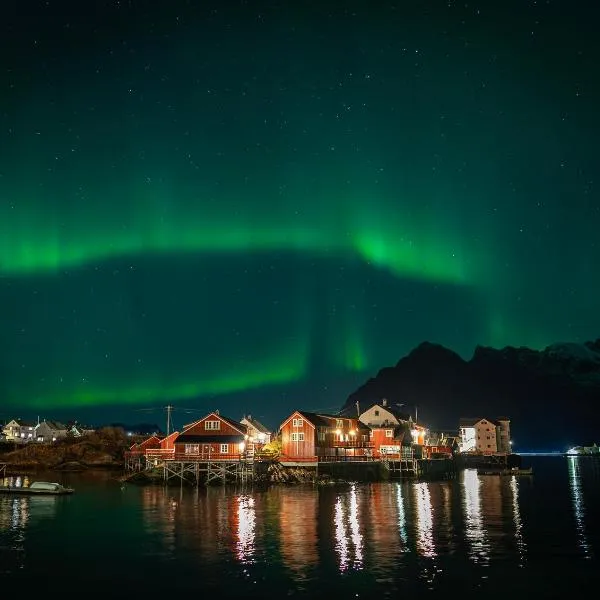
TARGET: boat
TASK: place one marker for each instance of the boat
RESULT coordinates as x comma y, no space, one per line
41,488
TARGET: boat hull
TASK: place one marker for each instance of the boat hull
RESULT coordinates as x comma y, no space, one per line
29,492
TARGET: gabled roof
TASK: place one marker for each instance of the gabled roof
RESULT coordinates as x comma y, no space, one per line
235,424
472,421
256,424
55,425
393,409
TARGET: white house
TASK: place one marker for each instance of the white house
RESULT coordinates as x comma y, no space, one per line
257,433
50,431
19,431
485,436
381,414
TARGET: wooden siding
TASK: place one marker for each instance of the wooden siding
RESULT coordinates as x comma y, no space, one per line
297,449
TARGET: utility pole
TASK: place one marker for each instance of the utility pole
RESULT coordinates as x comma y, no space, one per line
169,422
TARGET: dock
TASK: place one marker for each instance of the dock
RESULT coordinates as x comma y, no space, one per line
197,470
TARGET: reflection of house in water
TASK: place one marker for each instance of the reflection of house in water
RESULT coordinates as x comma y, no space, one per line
424,514
383,527
298,522
475,533
203,522
349,545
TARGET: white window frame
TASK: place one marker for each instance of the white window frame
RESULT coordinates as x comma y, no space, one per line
192,449
224,448
389,433
298,423
298,436
212,425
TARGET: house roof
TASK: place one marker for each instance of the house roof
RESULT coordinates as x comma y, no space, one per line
236,424
23,423
55,425
472,421
393,409
208,439
256,424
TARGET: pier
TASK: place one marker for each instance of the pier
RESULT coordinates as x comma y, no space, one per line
192,469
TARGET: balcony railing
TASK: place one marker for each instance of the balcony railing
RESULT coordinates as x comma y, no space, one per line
350,444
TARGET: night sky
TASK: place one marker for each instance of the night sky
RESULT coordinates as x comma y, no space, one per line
254,206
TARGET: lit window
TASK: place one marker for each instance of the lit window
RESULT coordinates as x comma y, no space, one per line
297,422
192,449
212,425
224,448
298,437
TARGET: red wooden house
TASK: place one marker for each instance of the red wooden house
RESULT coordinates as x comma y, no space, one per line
312,437
213,437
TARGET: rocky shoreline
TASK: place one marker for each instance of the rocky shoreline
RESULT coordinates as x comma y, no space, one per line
99,451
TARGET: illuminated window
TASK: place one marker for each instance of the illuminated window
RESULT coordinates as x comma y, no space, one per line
339,423
192,449
212,425
298,437
297,422
224,448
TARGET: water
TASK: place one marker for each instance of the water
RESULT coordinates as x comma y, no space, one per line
498,536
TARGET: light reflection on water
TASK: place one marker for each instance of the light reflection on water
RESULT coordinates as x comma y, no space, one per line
398,535
474,528
348,536
578,502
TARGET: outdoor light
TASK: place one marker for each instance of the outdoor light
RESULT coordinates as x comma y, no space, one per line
352,432
242,446
338,432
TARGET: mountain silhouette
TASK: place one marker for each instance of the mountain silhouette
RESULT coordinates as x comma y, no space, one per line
550,395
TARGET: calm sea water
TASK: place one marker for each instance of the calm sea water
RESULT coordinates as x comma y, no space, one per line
500,536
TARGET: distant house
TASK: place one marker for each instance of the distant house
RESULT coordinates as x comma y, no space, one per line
391,428
213,437
79,430
258,434
485,436
383,414
312,437
19,431
50,431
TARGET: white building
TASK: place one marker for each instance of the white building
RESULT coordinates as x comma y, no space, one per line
50,431
257,432
19,431
485,436
381,414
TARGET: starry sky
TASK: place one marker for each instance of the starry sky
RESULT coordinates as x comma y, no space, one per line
255,206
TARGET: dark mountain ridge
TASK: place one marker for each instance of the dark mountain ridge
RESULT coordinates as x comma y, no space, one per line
550,395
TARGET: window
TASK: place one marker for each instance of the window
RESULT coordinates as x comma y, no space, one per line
192,449
298,437
297,422
339,423
224,448
321,436
389,433
376,413
212,425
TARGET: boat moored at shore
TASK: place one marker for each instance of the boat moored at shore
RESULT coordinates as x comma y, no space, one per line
42,488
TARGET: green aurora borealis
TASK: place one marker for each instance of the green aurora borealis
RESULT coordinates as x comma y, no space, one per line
198,202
